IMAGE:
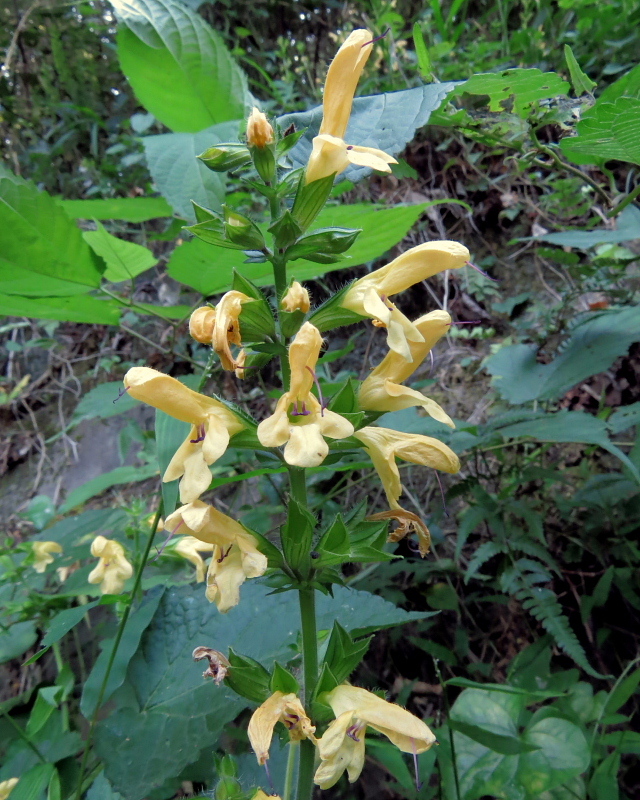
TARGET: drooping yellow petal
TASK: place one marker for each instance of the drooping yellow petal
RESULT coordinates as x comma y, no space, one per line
280,707
112,569
43,554
370,157
190,548
6,787
226,329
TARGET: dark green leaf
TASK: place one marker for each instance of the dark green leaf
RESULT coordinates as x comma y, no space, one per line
582,83
523,86
283,681
627,229
15,639
64,621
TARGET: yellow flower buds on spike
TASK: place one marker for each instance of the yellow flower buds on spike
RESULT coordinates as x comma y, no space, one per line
296,299
43,554
113,568
259,131
201,324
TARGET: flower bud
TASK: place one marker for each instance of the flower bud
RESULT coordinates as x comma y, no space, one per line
259,131
296,299
201,324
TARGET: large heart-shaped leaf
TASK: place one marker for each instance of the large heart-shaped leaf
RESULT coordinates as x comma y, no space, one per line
178,65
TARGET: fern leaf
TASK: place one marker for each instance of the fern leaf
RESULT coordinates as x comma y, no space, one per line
484,552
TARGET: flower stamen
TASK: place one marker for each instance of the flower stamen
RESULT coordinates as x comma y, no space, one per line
482,272
121,393
317,383
224,555
201,435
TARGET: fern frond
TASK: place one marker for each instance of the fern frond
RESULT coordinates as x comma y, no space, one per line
482,554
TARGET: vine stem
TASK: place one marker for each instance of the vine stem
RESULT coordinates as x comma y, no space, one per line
114,650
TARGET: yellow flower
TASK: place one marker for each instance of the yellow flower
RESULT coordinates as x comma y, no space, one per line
201,324
212,426
260,795
226,328
42,552
342,745
285,708
259,131
113,568
6,787
190,548
303,429
296,299
235,552
331,154
382,391
369,296
383,445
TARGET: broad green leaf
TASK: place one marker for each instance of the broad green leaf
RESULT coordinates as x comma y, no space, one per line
179,175
138,622
209,269
627,229
33,783
623,418
24,284
124,259
562,754
38,238
168,312
523,86
607,131
594,344
581,83
67,309
178,66
102,402
64,621
386,121
103,482
628,85
166,700
15,639
129,209
101,789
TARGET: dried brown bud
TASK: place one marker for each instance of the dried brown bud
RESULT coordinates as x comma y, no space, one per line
408,523
201,324
259,131
218,664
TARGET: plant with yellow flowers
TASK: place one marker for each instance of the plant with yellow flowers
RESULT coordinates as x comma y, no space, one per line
326,717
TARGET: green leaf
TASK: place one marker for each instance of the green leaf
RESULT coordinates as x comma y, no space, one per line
129,209
525,86
67,309
385,121
210,270
33,783
283,681
624,418
178,66
64,621
627,229
138,622
623,692
15,639
422,53
102,402
582,84
606,131
343,653
124,260
38,238
101,789
105,481
563,753
176,171
165,700
506,745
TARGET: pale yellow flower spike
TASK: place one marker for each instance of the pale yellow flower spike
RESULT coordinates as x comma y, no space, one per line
212,426
369,296
190,548
296,299
302,429
285,708
226,328
113,568
342,745
382,391
6,787
331,154
235,552
43,554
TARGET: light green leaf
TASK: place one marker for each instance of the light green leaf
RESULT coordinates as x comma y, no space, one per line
581,83
15,639
33,783
178,66
562,754
129,209
524,86
37,238
209,269
607,131
385,121
22,283
103,482
627,229
628,85
103,401
124,260
165,699
101,789
68,309
168,312
180,176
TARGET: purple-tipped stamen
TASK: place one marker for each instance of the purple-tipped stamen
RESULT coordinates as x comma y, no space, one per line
121,393
482,272
269,778
317,383
224,555
444,502
353,732
377,39
415,765
201,434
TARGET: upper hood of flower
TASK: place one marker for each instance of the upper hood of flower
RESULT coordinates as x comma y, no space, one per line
341,82
280,707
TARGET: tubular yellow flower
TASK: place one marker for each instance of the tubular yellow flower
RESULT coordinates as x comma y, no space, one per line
381,391
303,429
235,552
190,548
226,327
201,324
342,745
285,708
331,154
259,131
212,426
369,296
113,568
296,299
43,554
6,787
